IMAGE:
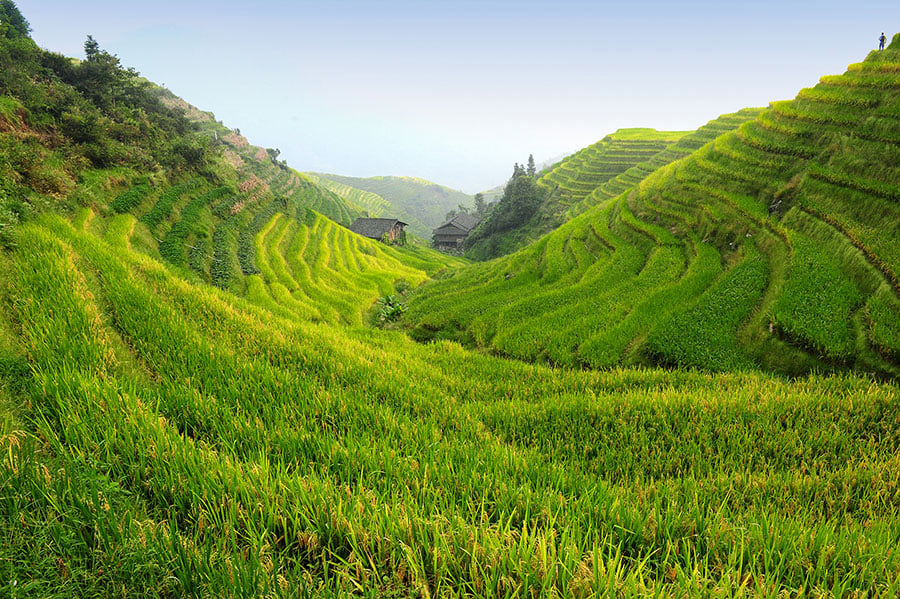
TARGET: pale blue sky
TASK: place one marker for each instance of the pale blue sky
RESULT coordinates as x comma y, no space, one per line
457,91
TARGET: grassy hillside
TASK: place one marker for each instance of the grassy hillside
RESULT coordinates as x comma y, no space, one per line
771,246
190,407
672,152
366,201
255,163
576,176
420,203
568,182
170,438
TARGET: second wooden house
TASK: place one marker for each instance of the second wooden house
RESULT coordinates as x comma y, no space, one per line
452,234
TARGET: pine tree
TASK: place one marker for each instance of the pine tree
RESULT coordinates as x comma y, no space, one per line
531,168
91,48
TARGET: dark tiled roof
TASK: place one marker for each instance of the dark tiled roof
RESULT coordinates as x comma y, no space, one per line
374,227
464,222
450,229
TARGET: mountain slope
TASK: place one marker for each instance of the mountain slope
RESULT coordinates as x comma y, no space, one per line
422,203
681,148
774,246
576,176
254,162
567,183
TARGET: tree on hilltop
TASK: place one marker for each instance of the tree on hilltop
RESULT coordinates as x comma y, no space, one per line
520,201
101,77
91,48
12,23
531,170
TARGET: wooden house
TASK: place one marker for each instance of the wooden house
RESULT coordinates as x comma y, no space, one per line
453,233
379,228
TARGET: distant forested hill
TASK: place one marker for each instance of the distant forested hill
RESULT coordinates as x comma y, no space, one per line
423,204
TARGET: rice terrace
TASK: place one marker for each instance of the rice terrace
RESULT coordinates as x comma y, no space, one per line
663,365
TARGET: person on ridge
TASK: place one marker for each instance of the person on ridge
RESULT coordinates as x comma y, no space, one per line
881,41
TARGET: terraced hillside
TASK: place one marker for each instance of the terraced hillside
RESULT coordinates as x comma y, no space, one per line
672,152
371,203
170,438
578,175
567,183
419,202
772,246
253,162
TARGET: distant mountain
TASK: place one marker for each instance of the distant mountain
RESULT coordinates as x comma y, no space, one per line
420,203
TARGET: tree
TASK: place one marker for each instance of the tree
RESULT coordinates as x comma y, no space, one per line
101,77
520,201
91,48
480,205
12,23
531,168
273,155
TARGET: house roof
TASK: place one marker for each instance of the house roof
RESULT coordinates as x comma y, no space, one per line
464,222
451,229
374,227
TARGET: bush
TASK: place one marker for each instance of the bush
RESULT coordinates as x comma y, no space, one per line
128,200
390,308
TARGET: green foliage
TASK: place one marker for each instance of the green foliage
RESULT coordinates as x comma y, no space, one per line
12,24
246,251
130,199
520,201
172,246
163,437
166,202
254,453
222,270
810,183
389,309
704,335
9,216
883,317
816,286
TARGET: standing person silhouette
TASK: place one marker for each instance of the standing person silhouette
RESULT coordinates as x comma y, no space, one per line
881,41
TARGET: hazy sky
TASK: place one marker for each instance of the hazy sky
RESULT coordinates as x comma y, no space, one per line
457,91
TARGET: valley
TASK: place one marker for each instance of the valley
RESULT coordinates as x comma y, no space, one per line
678,378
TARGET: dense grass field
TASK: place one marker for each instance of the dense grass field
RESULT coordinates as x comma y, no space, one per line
163,437
193,401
